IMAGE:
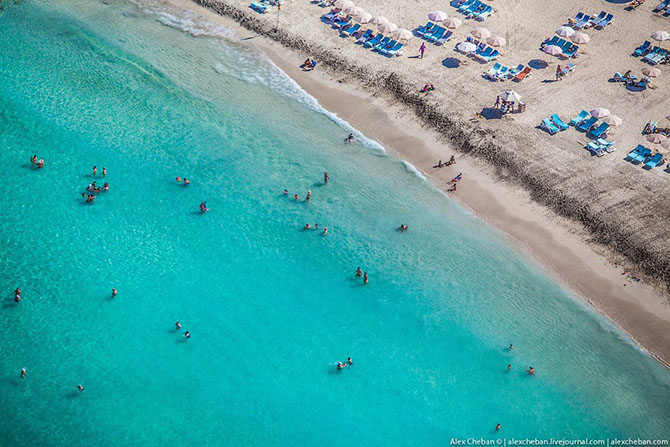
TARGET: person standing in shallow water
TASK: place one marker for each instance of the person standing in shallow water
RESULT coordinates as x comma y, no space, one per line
365,277
326,177
359,272
95,170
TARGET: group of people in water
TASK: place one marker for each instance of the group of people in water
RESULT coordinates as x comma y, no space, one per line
93,188
360,273
39,164
342,365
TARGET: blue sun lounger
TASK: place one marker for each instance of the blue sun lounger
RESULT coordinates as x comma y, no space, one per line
599,18
600,130
596,148
381,44
632,155
464,7
579,118
549,126
662,6
606,21
258,7
445,38
641,155
436,34
655,161
643,49
395,50
421,30
582,23
559,122
383,48
586,124
373,41
578,18
493,72
607,145
349,31
364,37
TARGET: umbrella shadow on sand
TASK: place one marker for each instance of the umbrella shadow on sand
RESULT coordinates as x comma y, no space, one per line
538,64
451,62
492,113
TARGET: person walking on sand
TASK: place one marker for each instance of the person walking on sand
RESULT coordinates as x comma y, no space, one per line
558,72
497,102
422,49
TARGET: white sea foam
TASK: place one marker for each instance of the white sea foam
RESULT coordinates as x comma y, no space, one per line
244,64
409,167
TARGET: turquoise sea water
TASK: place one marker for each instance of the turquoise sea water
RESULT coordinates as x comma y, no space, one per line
270,307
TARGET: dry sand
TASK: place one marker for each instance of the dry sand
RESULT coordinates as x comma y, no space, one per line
574,208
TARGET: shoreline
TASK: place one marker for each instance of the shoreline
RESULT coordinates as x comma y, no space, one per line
559,245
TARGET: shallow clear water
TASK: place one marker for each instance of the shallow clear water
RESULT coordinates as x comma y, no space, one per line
270,307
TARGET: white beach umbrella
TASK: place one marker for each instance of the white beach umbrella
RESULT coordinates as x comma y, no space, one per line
350,9
660,35
387,27
356,10
553,50
466,47
437,16
509,95
656,138
580,38
565,31
652,72
496,41
600,112
343,4
402,34
452,22
363,17
481,33
613,120
377,20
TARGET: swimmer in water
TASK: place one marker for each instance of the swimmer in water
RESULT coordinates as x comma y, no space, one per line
178,179
326,177
17,297
33,159
365,277
498,427
203,207
349,361
105,187
186,181
80,387
350,138
177,325
307,227
104,171
23,373
402,227
295,197
359,272
187,334
316,226
17,291
95,170
340,365
40,163
325,231
509,367
286,192
511,346
309,195
113,292
530,371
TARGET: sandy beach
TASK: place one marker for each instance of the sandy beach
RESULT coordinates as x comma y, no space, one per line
586,219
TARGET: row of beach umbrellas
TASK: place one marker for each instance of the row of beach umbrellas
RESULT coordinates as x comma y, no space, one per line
383,24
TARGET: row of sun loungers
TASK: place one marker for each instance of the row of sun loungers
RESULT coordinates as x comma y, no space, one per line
569,49
259,7
499,72
434,33
642,154
663,7
379,43
600,147
656,55
582,122
483,52
475,9
583,21
383,45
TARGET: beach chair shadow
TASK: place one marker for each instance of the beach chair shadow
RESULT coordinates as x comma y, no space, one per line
537,64
492,113
451,62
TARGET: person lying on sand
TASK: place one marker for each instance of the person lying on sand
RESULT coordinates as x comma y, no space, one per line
440,164
457,178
